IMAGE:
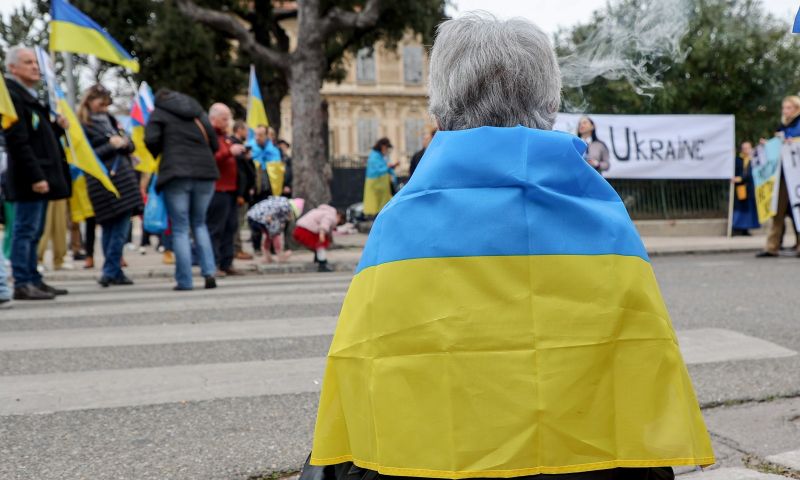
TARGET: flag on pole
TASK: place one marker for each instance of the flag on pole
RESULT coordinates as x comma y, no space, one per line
143,104
79,152
48,76
7,110
256,114
796,26
73,31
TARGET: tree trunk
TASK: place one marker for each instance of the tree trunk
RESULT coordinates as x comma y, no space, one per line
308,147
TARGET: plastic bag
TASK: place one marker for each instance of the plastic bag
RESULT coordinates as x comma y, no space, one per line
155,211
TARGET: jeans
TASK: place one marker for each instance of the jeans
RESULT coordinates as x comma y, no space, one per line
28,227
5,292
114,236
223,225
187,201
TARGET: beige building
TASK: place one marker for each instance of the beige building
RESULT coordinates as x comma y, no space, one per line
385,94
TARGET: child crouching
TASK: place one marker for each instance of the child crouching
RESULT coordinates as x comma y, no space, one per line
271,216
314,230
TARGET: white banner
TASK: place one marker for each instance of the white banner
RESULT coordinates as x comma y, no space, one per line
790,157
663,146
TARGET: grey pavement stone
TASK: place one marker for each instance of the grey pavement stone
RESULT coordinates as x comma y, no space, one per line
790,460
731,474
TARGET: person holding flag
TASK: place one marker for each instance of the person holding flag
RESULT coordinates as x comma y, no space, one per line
37,171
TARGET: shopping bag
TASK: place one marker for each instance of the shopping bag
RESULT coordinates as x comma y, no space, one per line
155,211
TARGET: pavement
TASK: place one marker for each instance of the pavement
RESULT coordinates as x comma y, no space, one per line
347,250
145,383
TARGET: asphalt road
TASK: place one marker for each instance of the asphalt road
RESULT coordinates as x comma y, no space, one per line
146,383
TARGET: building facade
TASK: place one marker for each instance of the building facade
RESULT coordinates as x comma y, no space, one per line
385,94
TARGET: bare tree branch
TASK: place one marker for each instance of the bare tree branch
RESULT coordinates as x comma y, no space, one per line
338,19
233,27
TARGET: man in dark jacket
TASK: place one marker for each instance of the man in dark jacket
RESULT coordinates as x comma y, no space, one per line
246,183
418,156
37,172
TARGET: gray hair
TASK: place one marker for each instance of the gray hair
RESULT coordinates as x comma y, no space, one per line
488,72
12,55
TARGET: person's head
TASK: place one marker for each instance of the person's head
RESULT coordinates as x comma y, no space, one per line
383,145
747,148
790,109
490,72
21,63
220,116
284,146
586,128
240,129
426,140
95,100
262,134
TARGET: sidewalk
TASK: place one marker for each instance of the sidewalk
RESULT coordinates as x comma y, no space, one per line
346,252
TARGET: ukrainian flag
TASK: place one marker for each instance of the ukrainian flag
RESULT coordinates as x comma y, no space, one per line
143,105
377,185
73,31
505,321
7,110
78,150
80,205
256,114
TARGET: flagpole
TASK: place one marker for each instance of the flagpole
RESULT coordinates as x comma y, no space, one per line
69,73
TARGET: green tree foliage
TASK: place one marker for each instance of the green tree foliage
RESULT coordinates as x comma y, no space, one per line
738,60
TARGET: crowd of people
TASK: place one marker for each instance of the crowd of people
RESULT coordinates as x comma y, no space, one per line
214,174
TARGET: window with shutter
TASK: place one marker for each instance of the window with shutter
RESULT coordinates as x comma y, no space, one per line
412,64
365,66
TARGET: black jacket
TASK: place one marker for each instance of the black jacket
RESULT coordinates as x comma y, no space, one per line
34,151
415,162
106,205
245,173
173,133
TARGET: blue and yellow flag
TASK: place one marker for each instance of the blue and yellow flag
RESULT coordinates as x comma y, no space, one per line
7,110
256,114
73,31
80,205
377,184
79,152
504,320
796,26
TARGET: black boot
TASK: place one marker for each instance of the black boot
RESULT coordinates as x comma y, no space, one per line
31,292
324,267
211,282
52,290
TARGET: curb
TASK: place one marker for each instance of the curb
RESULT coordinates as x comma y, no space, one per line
700,251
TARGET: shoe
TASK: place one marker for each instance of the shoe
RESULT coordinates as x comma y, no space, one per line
55,291
766,254
5,304
142,251
30,292
232,272
221,274
243,256
324,267
211,282
123,280
169,258
181,289
78,256
104,282
89,263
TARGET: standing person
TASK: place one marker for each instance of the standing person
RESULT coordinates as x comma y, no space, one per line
222,216
54,233
745,212
535,341
314,231
426,140
179,131
272,216
286,156
379,176
37,172
264,153
113,213
596,152
788,129
245,184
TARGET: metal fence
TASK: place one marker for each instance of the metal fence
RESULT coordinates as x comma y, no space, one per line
644,199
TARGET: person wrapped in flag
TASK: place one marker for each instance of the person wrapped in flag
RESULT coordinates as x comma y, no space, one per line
379,177
504,319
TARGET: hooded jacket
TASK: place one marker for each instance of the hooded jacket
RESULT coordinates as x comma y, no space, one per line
173,132
34,151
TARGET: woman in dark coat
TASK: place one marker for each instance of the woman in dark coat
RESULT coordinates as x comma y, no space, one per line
745,213
113,213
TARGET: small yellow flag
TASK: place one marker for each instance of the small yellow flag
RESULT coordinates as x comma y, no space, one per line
6,106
